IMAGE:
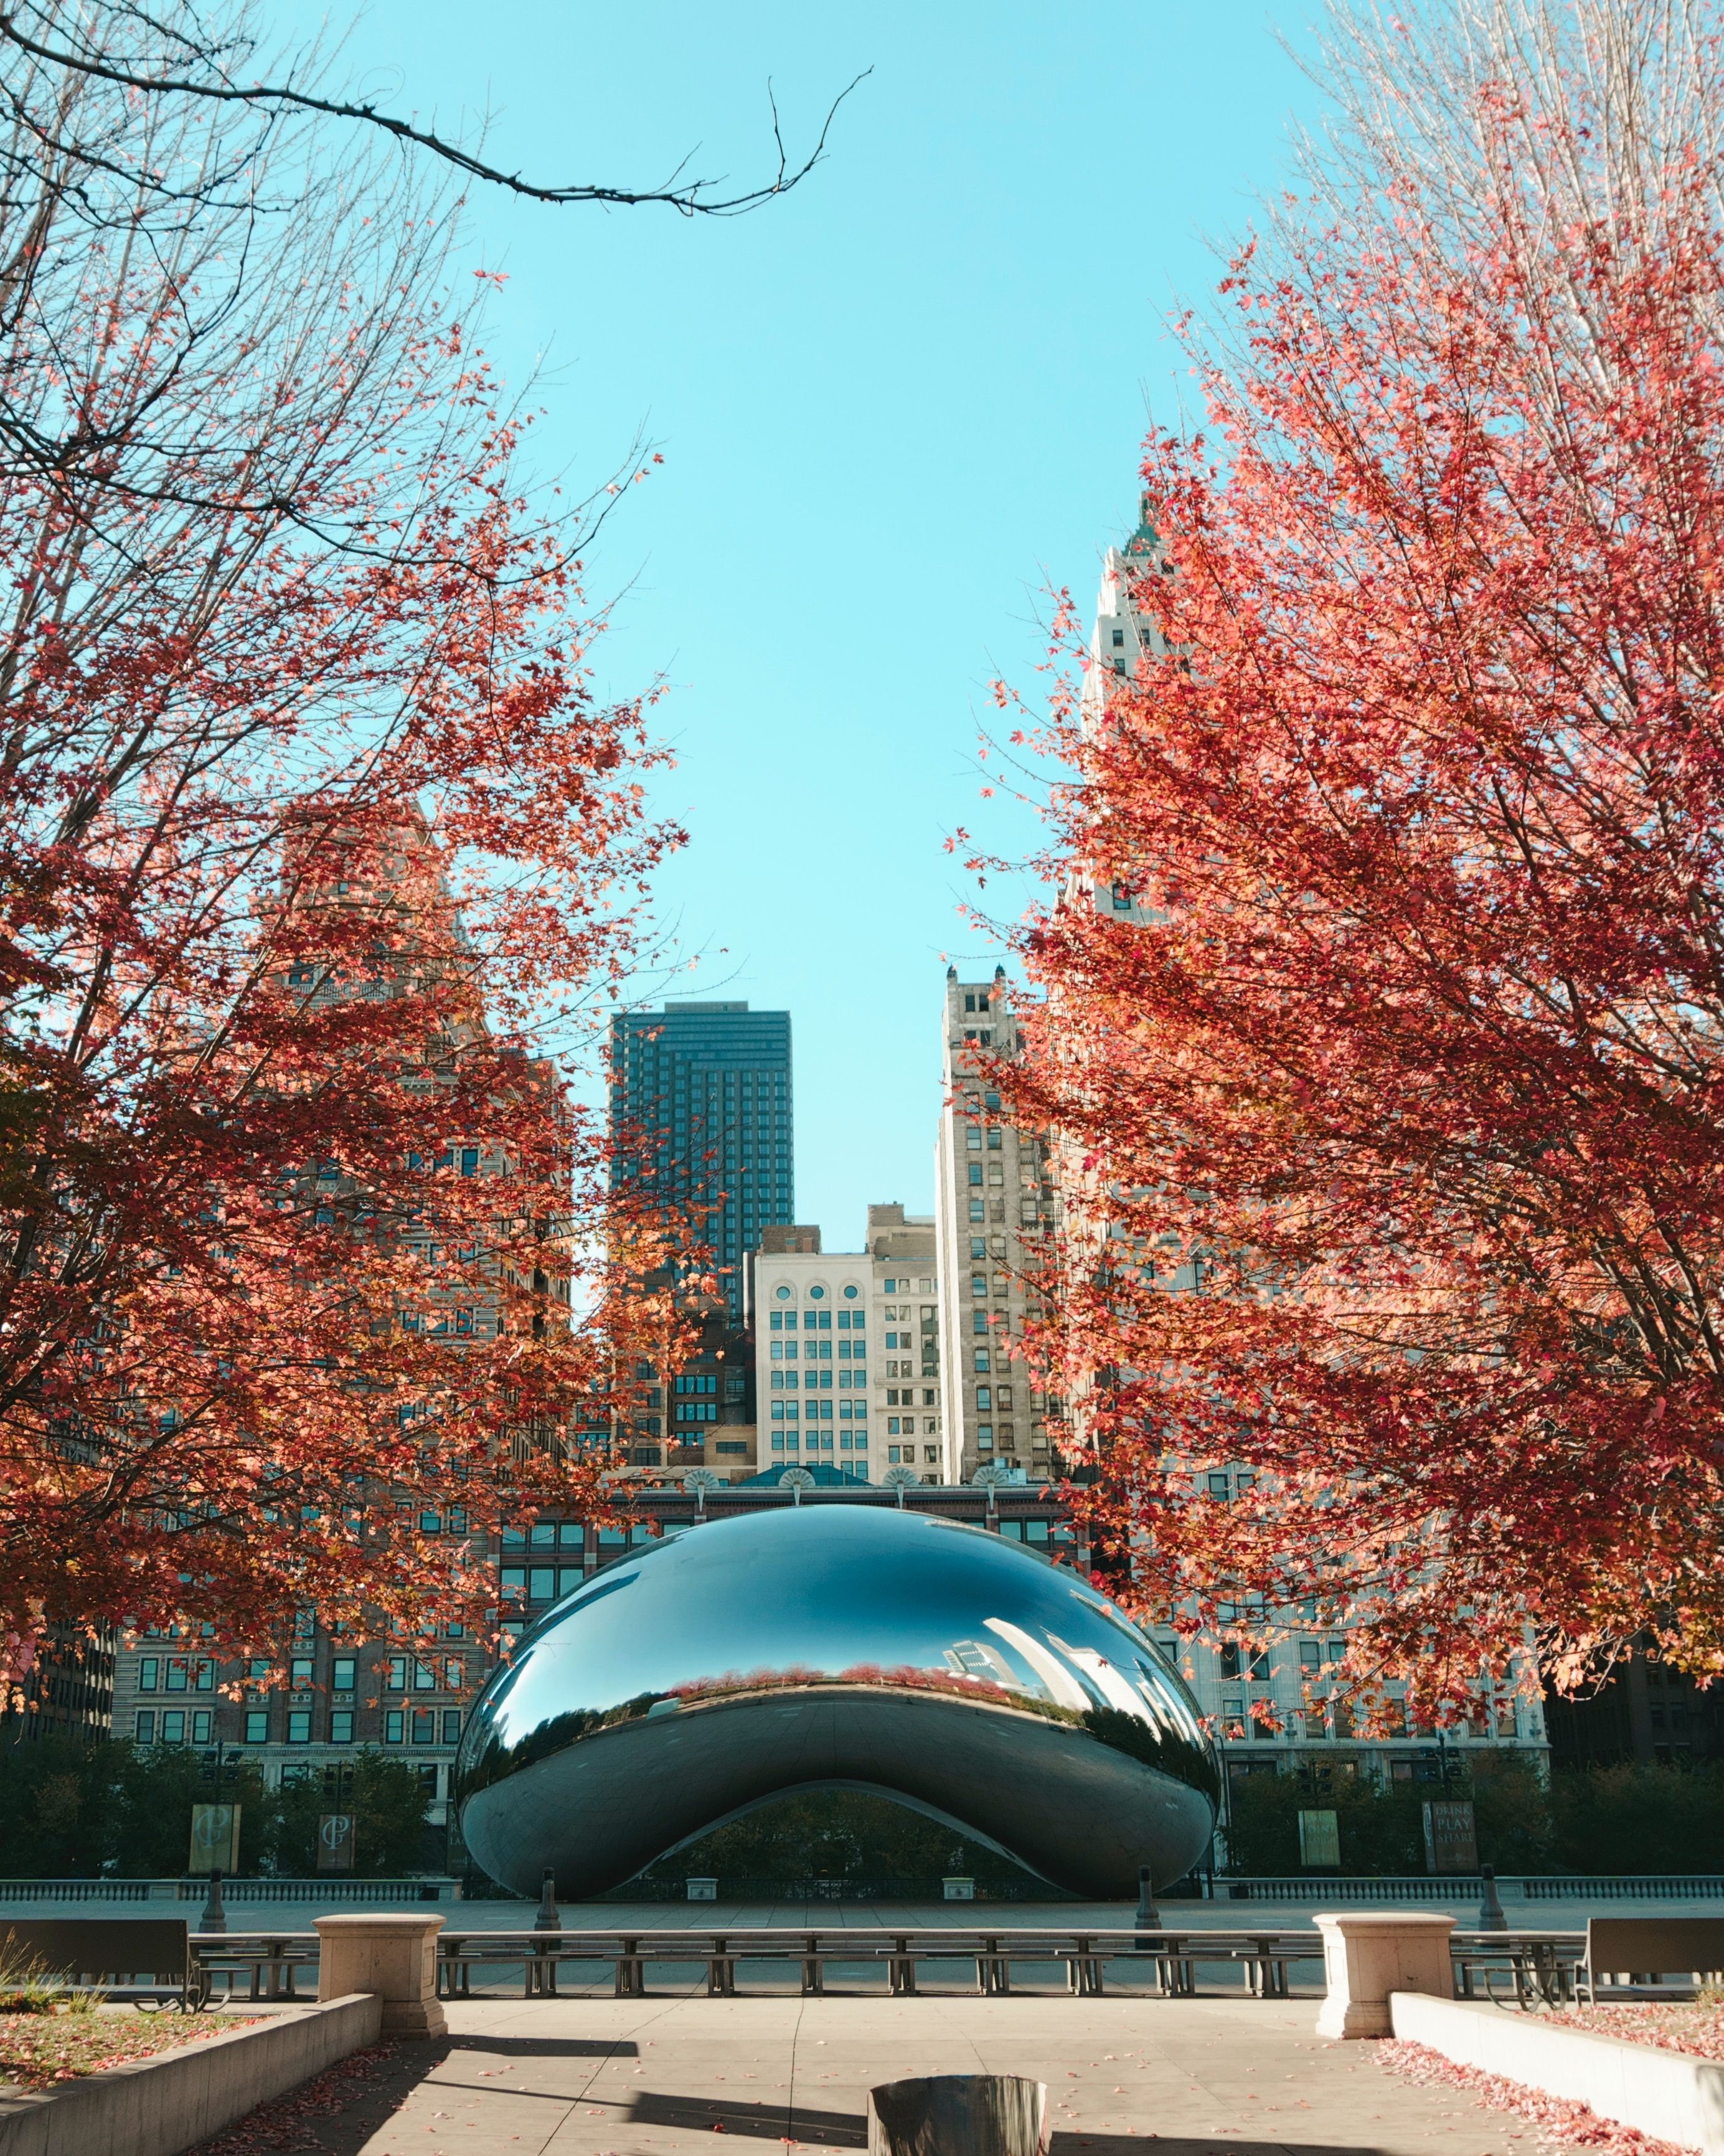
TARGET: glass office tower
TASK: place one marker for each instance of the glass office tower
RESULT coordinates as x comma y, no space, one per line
701,1117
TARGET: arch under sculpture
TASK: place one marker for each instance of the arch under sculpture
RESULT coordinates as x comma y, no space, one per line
840,1645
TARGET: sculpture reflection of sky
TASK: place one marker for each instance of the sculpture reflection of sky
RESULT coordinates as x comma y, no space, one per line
864,1587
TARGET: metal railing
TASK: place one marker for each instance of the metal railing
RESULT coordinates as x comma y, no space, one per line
989,1960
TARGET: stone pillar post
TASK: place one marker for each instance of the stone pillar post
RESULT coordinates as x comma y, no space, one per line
1366,1956
394,1956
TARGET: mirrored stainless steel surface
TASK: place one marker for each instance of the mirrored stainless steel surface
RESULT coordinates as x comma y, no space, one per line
837,1644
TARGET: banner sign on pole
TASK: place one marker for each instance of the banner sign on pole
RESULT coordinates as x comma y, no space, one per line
1451,1841
334,1841
215,1839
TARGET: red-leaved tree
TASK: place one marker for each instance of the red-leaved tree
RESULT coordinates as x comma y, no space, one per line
1414,1045
313,834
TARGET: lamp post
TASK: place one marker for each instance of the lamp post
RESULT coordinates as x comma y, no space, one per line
215,1916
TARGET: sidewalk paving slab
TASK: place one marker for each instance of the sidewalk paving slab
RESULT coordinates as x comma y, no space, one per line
666,2076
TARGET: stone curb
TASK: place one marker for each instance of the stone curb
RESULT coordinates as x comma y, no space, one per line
162,2106
1666,2094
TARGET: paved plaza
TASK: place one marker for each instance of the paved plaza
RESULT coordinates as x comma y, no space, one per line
662,2076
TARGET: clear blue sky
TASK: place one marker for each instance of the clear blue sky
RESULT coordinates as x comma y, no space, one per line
893,407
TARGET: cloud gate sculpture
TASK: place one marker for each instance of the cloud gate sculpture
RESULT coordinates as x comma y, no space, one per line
835,1645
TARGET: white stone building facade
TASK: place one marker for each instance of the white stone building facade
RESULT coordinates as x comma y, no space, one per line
847,1353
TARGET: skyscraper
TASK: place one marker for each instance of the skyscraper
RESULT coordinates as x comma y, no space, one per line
701,1119
993,1207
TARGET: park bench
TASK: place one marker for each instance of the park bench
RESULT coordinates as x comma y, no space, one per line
1264,1956
135,1957
269,1961
1640,1951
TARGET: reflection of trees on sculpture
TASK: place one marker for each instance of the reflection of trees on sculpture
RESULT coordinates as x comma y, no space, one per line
1168,1753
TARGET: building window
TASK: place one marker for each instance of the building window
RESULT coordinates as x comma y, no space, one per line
147,1673
301,1673
981,1362
424,1726
257,1725
299,1726
978,1212
341,1677
340,1726
393,1723
452,1725
147,1725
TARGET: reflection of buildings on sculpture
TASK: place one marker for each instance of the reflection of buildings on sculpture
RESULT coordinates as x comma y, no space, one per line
1255,1700
994,1214
847,1350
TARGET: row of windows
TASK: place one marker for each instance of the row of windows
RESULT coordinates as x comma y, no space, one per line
438,1675
820,1411
973,1138
786,1381
418,1726
820,1351
695,1381
816,1293
821,1441
174,1674
1316,1724
905,1396
697,1411
904,1425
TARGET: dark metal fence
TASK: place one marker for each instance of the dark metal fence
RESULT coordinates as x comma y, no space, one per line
1168,1962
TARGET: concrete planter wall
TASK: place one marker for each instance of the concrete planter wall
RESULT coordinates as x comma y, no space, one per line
1663,2093
159,2106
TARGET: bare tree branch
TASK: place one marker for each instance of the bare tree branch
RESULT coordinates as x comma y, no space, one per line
692,198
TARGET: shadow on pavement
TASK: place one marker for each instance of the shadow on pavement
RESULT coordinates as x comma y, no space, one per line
759,2121
544,2047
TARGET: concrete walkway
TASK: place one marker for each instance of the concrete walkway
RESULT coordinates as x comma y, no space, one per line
661,2076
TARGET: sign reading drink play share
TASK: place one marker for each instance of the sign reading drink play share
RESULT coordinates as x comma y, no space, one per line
1320,1840
1451,1841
